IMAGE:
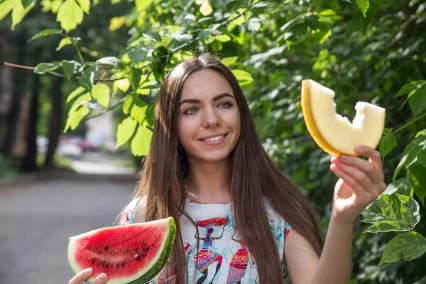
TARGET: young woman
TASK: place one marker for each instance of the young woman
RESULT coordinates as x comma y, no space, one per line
240,219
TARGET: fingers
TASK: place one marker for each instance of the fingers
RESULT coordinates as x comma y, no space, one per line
356,187
100,279
372,154
359,174
85,275
362,176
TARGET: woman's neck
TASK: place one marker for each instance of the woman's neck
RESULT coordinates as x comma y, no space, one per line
209,182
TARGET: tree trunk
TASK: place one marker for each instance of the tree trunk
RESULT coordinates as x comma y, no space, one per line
6,87
55,122
20,79
29,161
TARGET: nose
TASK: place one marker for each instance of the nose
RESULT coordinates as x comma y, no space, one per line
211,119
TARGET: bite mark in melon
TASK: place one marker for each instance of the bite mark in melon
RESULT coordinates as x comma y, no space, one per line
334,133
127,254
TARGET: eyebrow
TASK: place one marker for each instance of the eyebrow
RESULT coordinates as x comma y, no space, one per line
197,101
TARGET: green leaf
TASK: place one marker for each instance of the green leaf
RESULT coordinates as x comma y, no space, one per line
75,93
125,131
45,33
401,186
128,102
407,246
71,67
43,68
244,78
411,154
7,6
417,176
417,101
101,93
222,38
138,111
84,5
363,6
394,212
20,9
88,76
69,15
409,87
387,143
135,78
234,23
64,42
228,61
75,117
141,140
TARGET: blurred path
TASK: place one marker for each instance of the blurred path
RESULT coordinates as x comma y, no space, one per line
38,216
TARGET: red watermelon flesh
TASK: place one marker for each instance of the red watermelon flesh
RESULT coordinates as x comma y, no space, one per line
127,254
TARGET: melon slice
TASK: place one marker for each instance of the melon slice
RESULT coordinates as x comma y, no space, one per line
334,133
127,254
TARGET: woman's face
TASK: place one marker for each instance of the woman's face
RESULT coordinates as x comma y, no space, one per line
209,119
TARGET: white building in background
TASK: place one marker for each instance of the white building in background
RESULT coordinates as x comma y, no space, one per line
100,131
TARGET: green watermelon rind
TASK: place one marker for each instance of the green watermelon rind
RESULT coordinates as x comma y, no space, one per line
158,262
165,253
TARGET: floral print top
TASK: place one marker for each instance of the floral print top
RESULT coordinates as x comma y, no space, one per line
221,256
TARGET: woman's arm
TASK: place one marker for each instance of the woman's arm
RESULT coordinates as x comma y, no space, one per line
360,183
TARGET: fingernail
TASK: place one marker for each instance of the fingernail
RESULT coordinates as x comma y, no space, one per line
102,276
89,270
343,158
360,148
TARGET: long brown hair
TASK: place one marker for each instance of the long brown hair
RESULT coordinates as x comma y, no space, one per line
254,176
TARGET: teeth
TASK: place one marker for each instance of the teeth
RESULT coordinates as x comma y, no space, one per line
214,139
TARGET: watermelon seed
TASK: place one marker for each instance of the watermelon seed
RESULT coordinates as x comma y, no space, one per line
122,264
106,248
137,256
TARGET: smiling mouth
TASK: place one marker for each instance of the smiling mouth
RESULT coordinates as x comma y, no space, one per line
214,140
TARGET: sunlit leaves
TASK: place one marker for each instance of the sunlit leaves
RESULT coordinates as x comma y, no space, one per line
70,15
78,91
101,93
78,111
406,246
6,7
244,78
363,6
228,61
394,212
205,7
125,131
141,141
20,9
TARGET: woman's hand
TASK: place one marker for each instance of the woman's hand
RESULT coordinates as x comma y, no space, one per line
85,275
360,183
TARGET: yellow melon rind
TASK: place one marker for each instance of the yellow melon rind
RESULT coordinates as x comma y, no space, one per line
310,124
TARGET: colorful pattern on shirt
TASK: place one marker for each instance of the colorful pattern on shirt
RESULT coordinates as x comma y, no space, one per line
221,256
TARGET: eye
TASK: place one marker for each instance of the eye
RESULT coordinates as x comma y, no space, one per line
190,110
226,104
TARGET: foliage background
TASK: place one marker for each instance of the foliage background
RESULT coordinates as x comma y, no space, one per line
363,50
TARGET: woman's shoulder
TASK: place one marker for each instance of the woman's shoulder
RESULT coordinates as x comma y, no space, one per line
133,211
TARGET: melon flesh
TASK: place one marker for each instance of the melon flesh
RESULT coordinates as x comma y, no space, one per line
334,133
127,254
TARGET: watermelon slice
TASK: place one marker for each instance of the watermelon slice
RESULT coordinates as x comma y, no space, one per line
127,254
